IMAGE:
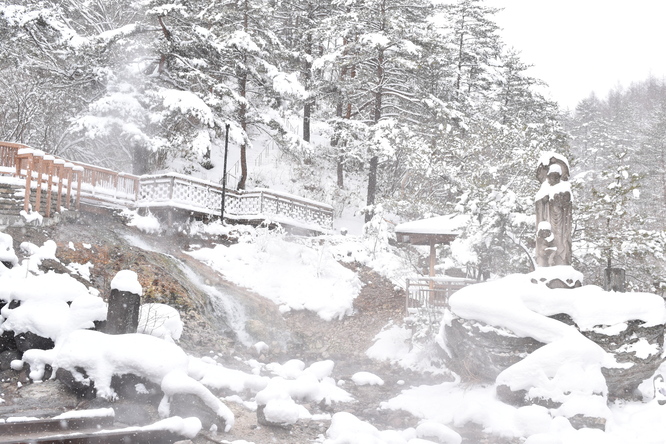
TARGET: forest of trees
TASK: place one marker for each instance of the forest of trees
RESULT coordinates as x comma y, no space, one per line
421,99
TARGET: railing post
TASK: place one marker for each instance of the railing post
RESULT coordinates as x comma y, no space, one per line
59,167
407,296
79,179
40,172
49,162
69,172
28,183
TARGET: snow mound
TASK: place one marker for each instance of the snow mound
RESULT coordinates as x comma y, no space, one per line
295,277
161,321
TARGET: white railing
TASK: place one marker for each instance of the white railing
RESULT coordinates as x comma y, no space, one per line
179,191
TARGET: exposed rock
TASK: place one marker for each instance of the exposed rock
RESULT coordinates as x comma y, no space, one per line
627,346
519,398
7,341
28,341
6,358
587,422
479,351
261,419
186,405
80,389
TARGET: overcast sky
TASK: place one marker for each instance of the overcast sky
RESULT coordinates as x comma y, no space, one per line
580,46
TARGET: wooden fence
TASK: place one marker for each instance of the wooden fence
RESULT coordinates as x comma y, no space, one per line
432,293
72,182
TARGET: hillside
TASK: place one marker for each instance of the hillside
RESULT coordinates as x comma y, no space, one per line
170,276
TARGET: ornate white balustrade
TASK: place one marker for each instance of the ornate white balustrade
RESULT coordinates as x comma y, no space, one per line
187,193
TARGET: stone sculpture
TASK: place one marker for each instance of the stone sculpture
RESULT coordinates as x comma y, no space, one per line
553,212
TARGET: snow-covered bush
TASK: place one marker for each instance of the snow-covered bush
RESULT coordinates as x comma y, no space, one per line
148,223
7,254
161,321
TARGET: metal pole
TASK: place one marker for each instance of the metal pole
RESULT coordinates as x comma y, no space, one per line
224,174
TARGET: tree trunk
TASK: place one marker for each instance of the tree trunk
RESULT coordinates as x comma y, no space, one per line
614,279
307,77
307,111
372,186
242,117
242,111
336,142
374,160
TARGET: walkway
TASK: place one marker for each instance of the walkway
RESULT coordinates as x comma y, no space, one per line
52,183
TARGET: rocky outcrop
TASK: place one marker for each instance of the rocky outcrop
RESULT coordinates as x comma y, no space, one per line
638,350
477,351
480,352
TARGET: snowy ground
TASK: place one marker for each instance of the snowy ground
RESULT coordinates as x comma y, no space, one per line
59,307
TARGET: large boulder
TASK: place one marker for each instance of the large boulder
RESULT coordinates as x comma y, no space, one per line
480,352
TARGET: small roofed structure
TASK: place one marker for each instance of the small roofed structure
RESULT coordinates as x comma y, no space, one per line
433,231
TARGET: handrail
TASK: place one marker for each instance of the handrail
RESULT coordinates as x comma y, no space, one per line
75,180
8,152
432,292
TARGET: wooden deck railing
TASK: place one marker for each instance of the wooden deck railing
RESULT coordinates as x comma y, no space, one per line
73,181
432,293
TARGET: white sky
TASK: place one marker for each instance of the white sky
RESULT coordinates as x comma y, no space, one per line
580,46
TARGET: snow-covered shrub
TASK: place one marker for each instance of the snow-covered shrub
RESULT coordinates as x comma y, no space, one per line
376,233
161,321
148,223
7,254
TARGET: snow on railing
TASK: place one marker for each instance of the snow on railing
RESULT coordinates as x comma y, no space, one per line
72,181
184,192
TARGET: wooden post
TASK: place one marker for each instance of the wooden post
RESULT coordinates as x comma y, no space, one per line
433,255
124,303
79,179
38,194
28,183
407,295
69,173
59,169
48,160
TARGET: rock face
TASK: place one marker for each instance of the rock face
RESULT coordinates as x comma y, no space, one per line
629,347
478,351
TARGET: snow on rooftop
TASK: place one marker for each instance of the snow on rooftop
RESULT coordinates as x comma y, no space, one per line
449,224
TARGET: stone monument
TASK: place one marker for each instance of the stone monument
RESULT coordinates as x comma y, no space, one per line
124,303
554,221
